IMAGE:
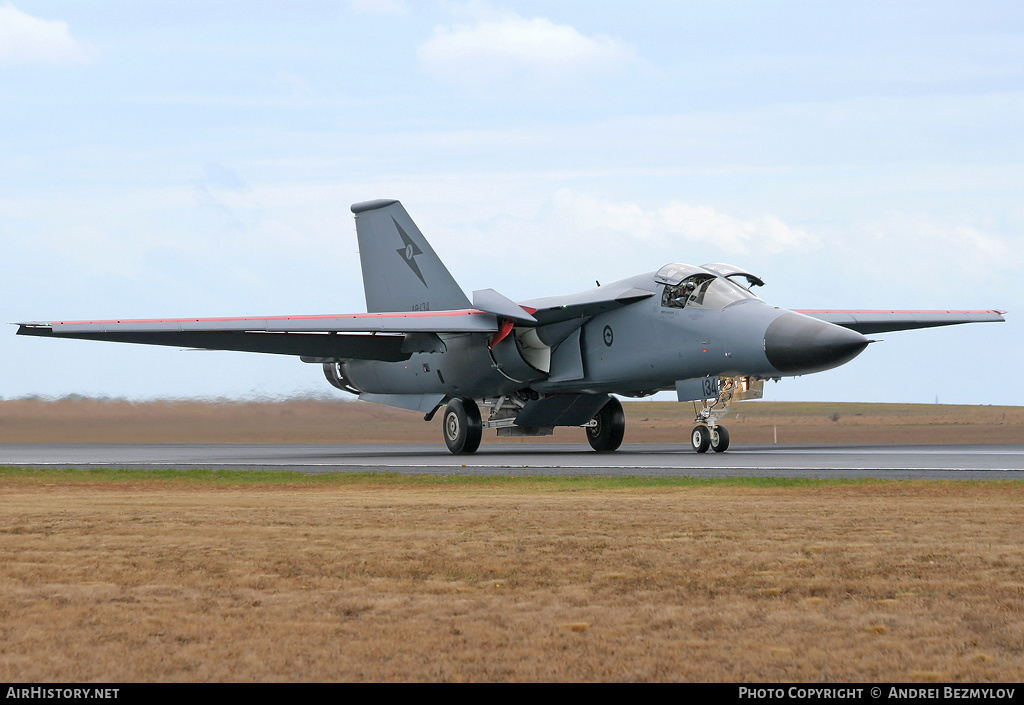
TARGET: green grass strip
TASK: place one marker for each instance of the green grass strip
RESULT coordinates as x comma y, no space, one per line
202,477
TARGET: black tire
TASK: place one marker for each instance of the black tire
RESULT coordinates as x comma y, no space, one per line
607,435
700,439
462,428
720,439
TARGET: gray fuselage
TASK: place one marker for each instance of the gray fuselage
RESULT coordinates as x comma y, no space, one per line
638,349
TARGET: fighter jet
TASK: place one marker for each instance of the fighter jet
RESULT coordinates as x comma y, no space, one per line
534,365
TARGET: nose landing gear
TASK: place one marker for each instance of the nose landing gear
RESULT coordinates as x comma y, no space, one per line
714,437
700,438
707,433
719,439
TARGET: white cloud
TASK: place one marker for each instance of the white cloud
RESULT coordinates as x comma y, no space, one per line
570,237
507,46
915,250
29,40
668,224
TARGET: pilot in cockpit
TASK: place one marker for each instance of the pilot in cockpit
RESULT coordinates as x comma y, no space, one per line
685,291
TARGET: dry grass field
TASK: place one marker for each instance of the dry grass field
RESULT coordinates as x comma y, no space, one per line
130,579
319,421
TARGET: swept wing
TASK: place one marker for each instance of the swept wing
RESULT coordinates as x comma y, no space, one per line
867,322
384,336
388,337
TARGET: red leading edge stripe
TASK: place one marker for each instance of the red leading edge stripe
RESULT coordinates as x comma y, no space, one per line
836,310
409,314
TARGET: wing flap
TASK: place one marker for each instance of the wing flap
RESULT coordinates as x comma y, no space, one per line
868,322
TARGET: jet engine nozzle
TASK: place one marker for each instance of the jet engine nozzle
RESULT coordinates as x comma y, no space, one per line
797,344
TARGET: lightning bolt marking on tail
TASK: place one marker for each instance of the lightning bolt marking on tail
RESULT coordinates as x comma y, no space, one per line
408,252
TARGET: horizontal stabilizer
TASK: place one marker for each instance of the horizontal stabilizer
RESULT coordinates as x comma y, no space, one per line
868,322
490,301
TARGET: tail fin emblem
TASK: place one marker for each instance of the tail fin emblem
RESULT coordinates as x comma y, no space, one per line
409,251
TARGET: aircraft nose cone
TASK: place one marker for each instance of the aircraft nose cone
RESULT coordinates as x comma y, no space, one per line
798,344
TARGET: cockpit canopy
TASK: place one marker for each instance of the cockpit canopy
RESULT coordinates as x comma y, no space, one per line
730,272
710,286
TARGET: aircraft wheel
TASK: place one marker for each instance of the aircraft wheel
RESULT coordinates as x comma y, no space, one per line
606,436
700,438
462,426
720,439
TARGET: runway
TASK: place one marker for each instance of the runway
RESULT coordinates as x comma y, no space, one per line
935,462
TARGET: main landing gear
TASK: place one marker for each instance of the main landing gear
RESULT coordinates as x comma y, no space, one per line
463,428
462,425
605,435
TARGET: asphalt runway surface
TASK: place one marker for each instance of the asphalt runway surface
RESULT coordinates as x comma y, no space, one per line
936,462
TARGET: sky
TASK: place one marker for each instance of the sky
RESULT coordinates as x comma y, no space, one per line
200,158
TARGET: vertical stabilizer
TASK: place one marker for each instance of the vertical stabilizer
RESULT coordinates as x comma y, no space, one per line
401,271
